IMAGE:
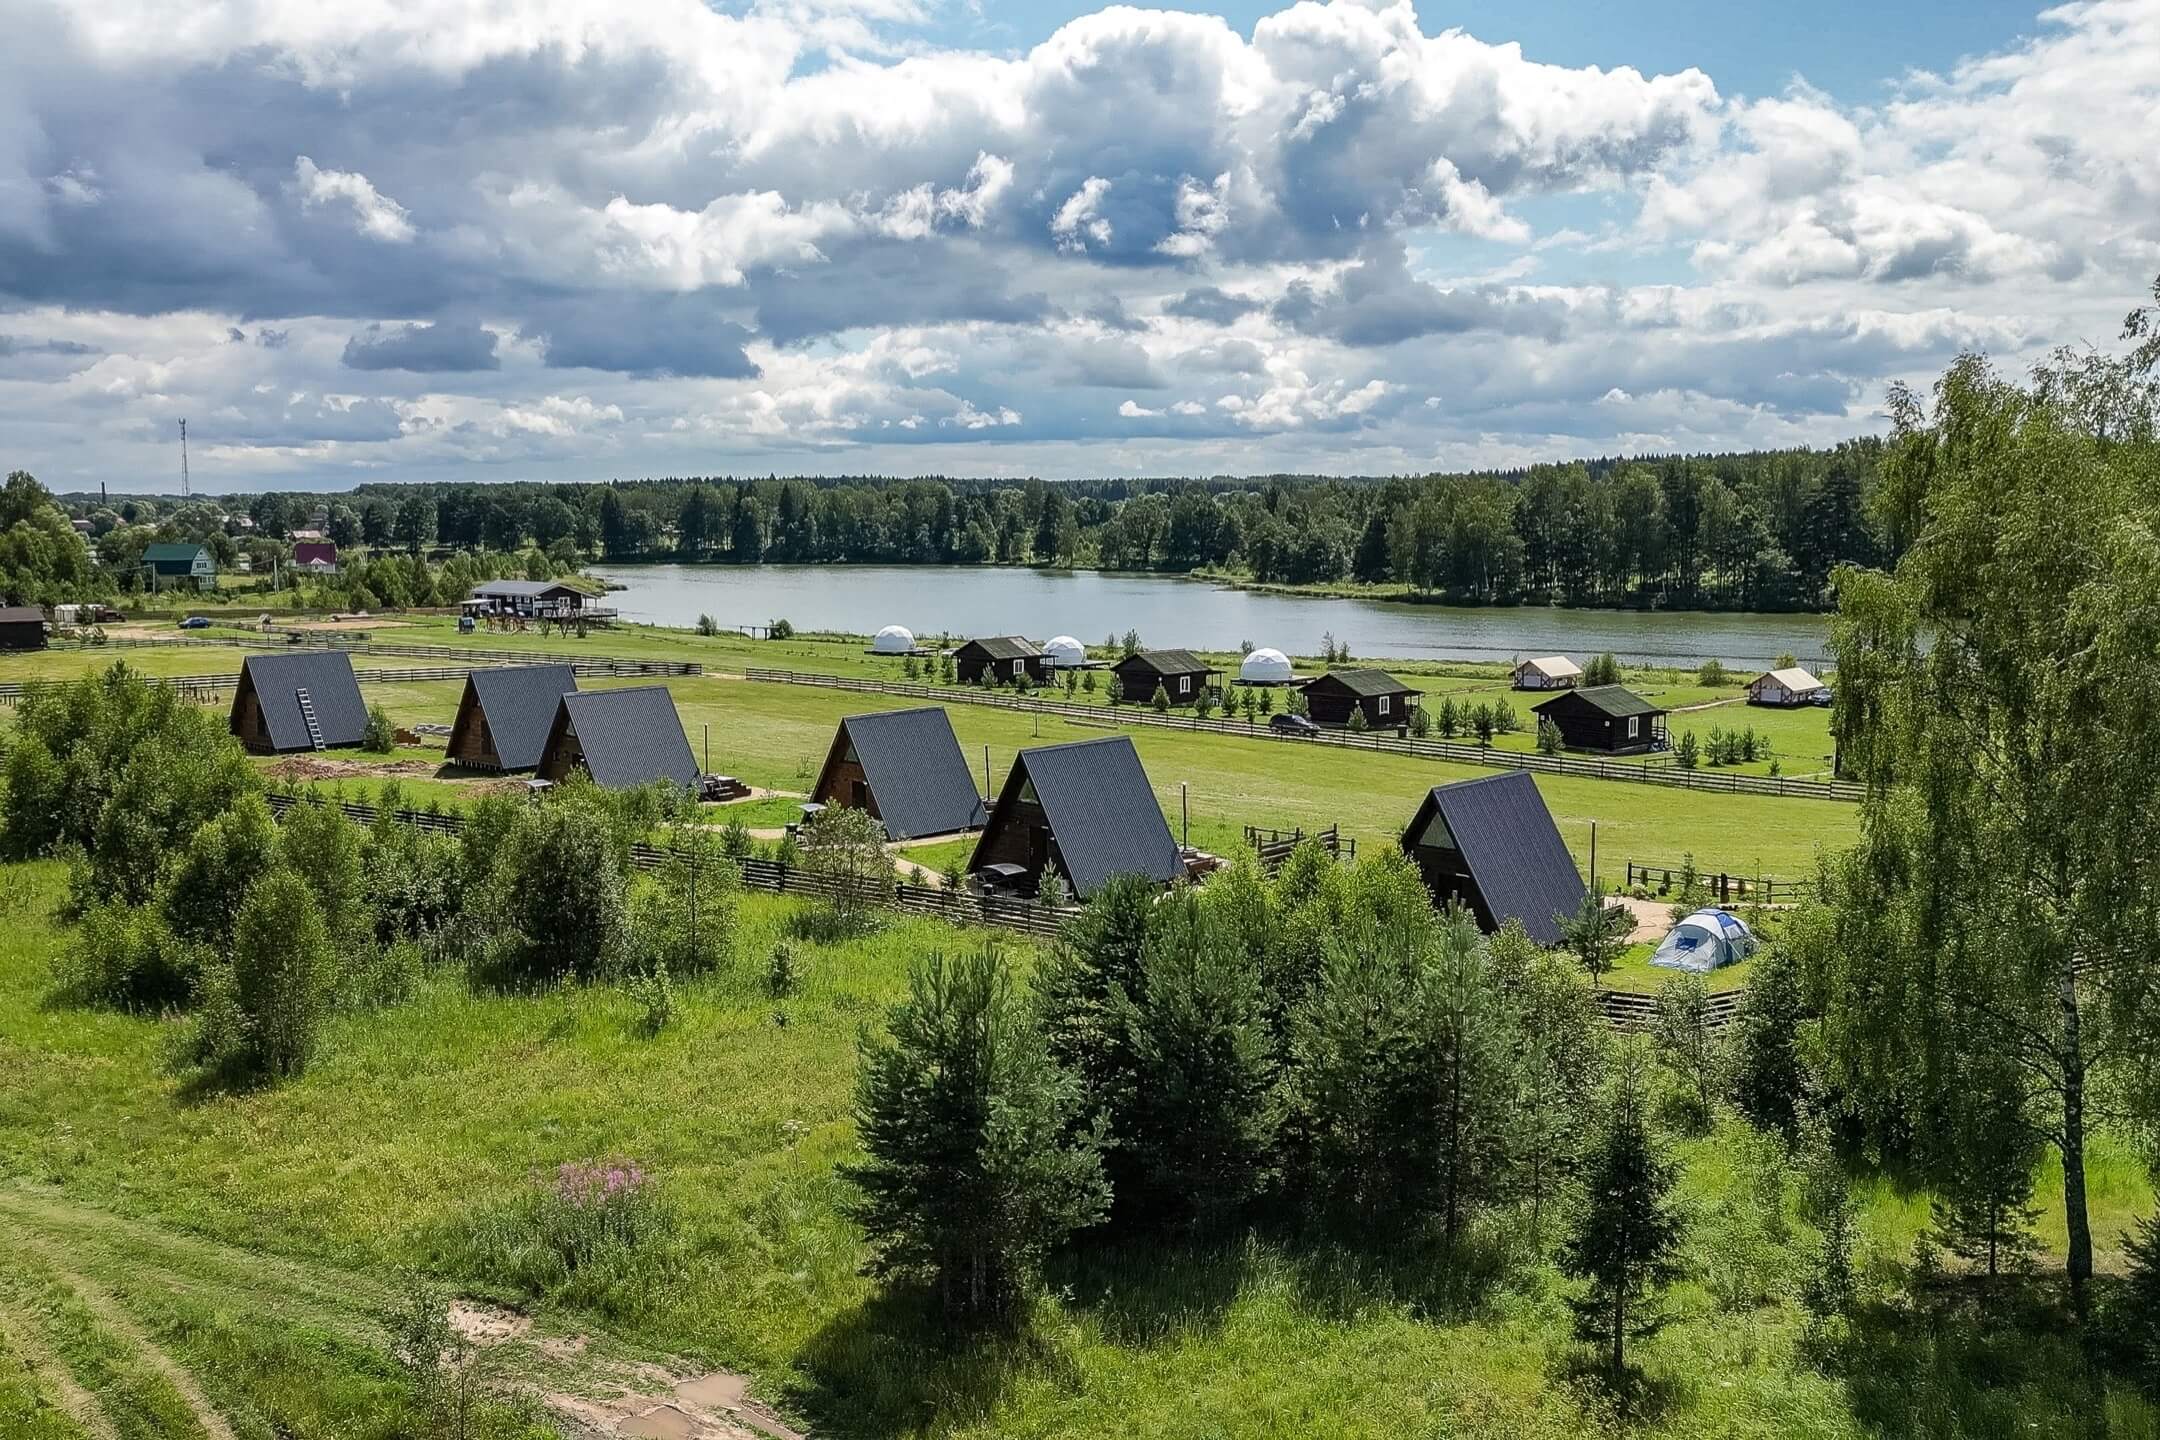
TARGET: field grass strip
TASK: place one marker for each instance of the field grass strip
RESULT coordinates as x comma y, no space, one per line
116,1321
48,1373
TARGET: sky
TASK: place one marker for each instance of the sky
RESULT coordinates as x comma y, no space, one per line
577,239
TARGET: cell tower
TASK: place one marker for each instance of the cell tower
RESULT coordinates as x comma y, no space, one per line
185,492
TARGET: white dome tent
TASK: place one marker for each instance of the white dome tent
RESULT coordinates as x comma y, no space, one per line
1705,941
893,640
1265,667
1065,652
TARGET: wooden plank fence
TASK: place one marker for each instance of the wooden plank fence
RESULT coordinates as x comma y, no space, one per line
1667,774
1633,1012
1274,846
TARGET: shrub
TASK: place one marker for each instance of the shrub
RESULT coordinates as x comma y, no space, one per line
1712,673
1602,670
844,848
1087,681
1358,723
683,917
258,1013
783,973
378,736
1689,1049
558,897
127,957
1420,722
654,995
210,876
735,839
1548,736
1161,702
708,626
780,630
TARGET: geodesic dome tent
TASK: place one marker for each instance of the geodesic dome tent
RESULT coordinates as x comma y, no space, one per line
1706,940
893,640
1065,652
1265,667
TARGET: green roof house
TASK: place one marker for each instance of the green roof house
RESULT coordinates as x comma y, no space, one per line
169,562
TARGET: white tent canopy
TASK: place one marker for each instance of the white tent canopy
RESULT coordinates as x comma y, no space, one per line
893,640
1065,652
1706,940
1265,667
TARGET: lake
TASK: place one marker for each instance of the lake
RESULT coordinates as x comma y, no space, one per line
1169,611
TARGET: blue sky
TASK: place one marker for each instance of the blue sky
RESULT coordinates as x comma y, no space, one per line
571,239
1851,50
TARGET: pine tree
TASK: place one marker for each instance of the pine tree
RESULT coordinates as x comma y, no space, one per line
1770,1079
1548,736
1194,1118
1984,1175
1625,1241
972,1171
2137,1303
1597,934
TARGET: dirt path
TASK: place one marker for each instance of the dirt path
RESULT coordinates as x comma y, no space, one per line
595,1385
108,1313
47,1371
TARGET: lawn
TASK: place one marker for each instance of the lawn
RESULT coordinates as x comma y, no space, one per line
251,1235
775,736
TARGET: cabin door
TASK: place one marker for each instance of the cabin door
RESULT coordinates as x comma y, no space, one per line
858,795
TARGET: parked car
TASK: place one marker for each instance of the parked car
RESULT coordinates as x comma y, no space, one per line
195,622
1290,724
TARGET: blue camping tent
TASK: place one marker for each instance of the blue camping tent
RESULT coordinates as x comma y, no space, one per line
1704,941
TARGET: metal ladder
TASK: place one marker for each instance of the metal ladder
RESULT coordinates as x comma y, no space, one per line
307,713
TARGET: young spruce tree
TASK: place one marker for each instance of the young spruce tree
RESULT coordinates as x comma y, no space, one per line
972,1171
1626,1239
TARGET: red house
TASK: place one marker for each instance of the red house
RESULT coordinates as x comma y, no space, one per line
314,554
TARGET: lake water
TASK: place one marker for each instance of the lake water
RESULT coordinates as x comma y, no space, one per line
1168,611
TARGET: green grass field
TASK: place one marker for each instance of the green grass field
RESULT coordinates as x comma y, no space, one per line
251,1238
775,736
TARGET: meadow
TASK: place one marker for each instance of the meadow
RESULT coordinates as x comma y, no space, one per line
251,1239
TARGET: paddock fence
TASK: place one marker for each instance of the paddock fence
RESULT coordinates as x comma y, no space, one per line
207,688
1666,774
1717,885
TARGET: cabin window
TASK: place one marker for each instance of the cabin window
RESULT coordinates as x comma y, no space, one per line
1184,684
1018,666
1383,704
1634,726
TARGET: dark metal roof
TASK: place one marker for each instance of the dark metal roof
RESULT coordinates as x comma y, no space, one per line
1364,682
1615,700
1102,812
327,676
1167,662
171,557
22,615
631,736
519,702
1514,852
1002,647
916,772
523,590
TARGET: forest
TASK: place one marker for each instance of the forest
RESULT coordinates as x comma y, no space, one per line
1754,531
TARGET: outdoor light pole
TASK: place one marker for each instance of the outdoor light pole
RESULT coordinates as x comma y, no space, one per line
1593,857
1184,805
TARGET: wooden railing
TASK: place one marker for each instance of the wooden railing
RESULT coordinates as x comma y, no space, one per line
1274,847
209,687
1646,773
1717,885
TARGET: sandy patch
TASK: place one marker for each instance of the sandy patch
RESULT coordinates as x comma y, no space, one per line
487,1324
711,1406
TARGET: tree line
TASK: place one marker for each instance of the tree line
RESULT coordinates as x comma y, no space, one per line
1759,530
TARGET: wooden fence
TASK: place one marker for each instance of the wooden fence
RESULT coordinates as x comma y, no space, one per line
776,878
1274,846
210,687
1719,886
1633,1011
1646,773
